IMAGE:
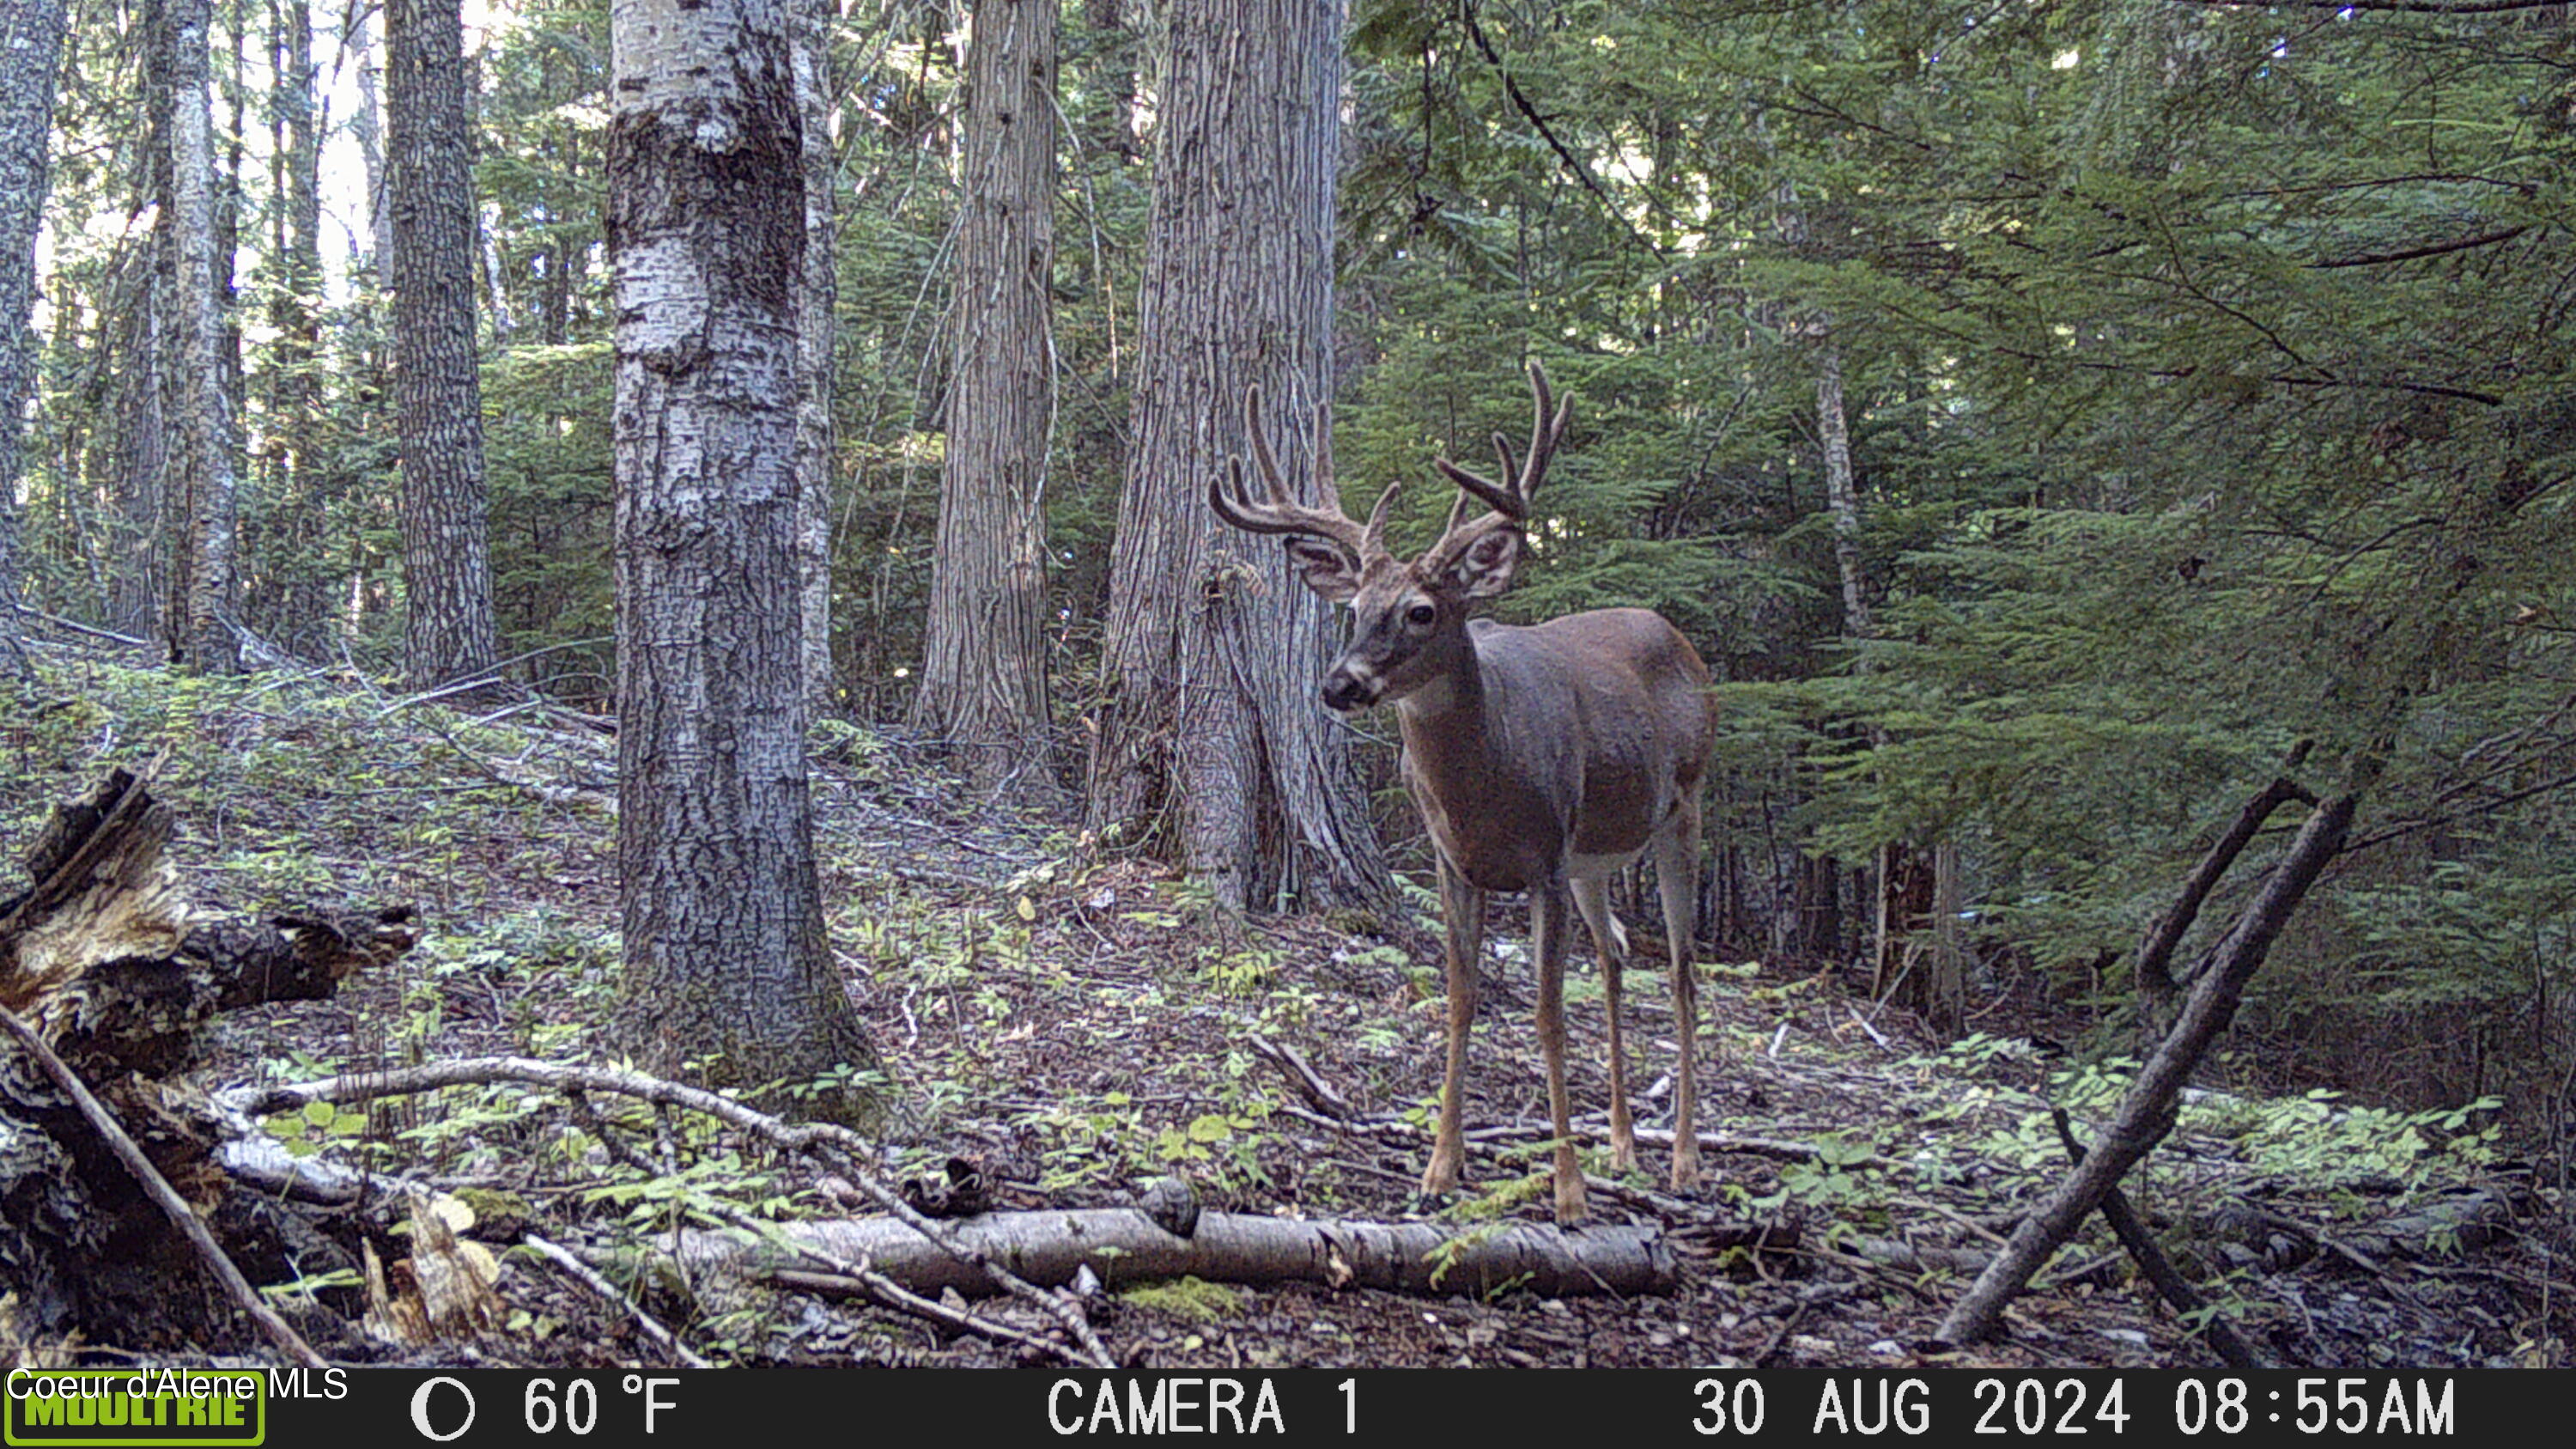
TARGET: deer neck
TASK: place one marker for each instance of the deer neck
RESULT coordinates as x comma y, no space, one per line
1447,728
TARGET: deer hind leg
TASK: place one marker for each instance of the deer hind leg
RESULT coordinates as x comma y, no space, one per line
1610,943
1462,911
1550,926
1676,880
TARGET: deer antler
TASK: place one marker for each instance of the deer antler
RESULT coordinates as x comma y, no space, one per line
1275,511
1512,502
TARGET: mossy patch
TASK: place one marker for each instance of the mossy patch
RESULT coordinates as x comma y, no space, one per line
1195,1299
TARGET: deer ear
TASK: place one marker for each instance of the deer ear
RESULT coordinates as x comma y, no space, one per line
1328,568
1484,567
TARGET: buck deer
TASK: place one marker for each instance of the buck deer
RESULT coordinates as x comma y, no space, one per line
1543,758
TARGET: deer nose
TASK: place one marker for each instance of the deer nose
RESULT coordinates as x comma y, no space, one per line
1346,689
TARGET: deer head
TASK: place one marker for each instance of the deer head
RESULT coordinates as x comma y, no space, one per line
1407,619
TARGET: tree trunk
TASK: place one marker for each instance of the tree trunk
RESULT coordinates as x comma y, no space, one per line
198,619
367,124
228,213
31,35
137,581
983,668
1842,489
726,962
290,601
1905,872
447,573
1212,741
816,330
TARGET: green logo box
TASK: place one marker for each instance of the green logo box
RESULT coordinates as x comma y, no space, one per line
61,1408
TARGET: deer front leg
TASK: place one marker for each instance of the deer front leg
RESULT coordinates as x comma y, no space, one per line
1462,913
1610,943
1548,923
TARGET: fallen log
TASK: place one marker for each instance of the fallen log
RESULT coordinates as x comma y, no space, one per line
1124,1246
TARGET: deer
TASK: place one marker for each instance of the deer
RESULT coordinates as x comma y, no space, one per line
1543,758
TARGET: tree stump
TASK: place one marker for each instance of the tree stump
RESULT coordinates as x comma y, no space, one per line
100,957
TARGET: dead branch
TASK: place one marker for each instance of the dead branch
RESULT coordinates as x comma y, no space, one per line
883,1291
2146,1113
2160,1271
859,1278
1301,1074
843,1149
2154,970
77,627
588,1277
1388,1129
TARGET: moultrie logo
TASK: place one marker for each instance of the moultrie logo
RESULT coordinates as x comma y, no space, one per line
156,1406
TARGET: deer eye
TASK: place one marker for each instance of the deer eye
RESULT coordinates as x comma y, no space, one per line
1422,613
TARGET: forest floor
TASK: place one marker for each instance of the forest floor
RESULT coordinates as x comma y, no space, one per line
1077,1026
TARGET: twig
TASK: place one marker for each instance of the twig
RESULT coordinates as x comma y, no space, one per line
164,1197
839,1145
1386,1130
1873,1032
78,627
1782,1148
859,1281
1787,1327
1956,1216
2160,1271
2077,1274
589,1278
487,677
1303,1077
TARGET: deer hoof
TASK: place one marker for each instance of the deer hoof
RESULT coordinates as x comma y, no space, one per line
1438,1189
1436,1196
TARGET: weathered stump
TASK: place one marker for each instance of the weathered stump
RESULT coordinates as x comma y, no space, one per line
100,957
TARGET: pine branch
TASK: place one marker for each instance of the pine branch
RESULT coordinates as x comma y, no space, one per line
2412,254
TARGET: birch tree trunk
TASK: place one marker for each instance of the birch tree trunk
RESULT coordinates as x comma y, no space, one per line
727,967
31,36
198,620
1213,742
983,669
1907,886
1842,488
447,571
